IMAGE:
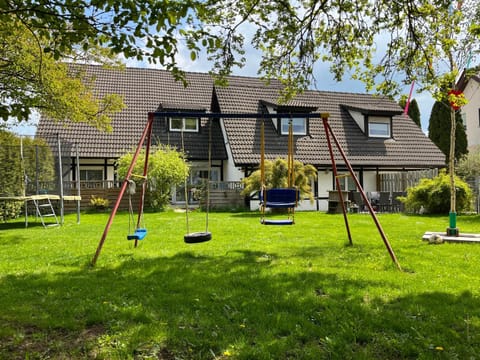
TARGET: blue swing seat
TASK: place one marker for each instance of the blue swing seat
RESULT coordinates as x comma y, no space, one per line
286,198
139,234
279,198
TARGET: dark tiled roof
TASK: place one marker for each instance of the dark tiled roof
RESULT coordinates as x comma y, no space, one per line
144,90
148,90
408,148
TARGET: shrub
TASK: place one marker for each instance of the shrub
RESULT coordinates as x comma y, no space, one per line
10,209
166,169
99,203
433,195
276,177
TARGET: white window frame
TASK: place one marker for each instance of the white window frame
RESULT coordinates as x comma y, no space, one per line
183,126
379,120
284,122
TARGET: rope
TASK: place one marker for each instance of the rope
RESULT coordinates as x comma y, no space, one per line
208,172
262,168
185,184
207,205
131,191
290,170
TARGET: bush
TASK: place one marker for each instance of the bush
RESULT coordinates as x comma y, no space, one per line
99,203
10,210
166,169
276,177
433,195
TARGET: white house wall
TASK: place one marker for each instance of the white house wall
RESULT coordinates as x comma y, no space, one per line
471,113
230,171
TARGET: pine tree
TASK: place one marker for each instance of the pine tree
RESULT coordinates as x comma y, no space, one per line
439,130
413,110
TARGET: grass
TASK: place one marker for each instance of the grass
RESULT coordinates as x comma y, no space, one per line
253,292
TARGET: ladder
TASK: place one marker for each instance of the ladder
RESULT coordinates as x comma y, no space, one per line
44,210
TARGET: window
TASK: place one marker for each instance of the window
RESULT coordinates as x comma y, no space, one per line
197,176
184,124
464,119
299,126
379,127
91,175
346,182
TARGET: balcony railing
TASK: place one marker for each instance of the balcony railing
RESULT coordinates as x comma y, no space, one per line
52,186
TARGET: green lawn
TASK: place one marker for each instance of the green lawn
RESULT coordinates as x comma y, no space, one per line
253,292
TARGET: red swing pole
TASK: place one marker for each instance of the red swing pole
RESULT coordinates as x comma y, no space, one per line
364,196
335,174
146,130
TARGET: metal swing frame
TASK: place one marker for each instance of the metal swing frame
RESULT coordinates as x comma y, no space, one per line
147,132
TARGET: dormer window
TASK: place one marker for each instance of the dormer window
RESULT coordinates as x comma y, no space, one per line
299,126
374,123
189,124
379,127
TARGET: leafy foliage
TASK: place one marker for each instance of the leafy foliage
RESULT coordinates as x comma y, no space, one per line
439,129
98,203
433,195
469,164
31,79
417,36
276,177
166,168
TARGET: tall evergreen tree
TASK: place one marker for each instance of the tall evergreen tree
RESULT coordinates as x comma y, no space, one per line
413,110
439,130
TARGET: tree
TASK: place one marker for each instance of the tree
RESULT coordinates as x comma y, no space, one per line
31,79
38,37
439,130
292,36
413,110
469,165
166,168
276,177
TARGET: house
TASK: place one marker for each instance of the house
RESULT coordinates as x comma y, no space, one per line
377,138
470,85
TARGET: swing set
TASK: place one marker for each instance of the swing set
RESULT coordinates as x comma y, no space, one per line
140,231
277,197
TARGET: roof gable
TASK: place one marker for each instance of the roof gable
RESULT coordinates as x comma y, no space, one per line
402,151
143,90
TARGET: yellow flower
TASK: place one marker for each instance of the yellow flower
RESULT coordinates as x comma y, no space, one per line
227,353
439,348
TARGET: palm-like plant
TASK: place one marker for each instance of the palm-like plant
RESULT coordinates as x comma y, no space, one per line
276,177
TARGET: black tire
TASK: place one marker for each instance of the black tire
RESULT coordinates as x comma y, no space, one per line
197,237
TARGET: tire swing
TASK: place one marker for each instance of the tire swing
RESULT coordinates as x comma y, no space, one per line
202,236
278,198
